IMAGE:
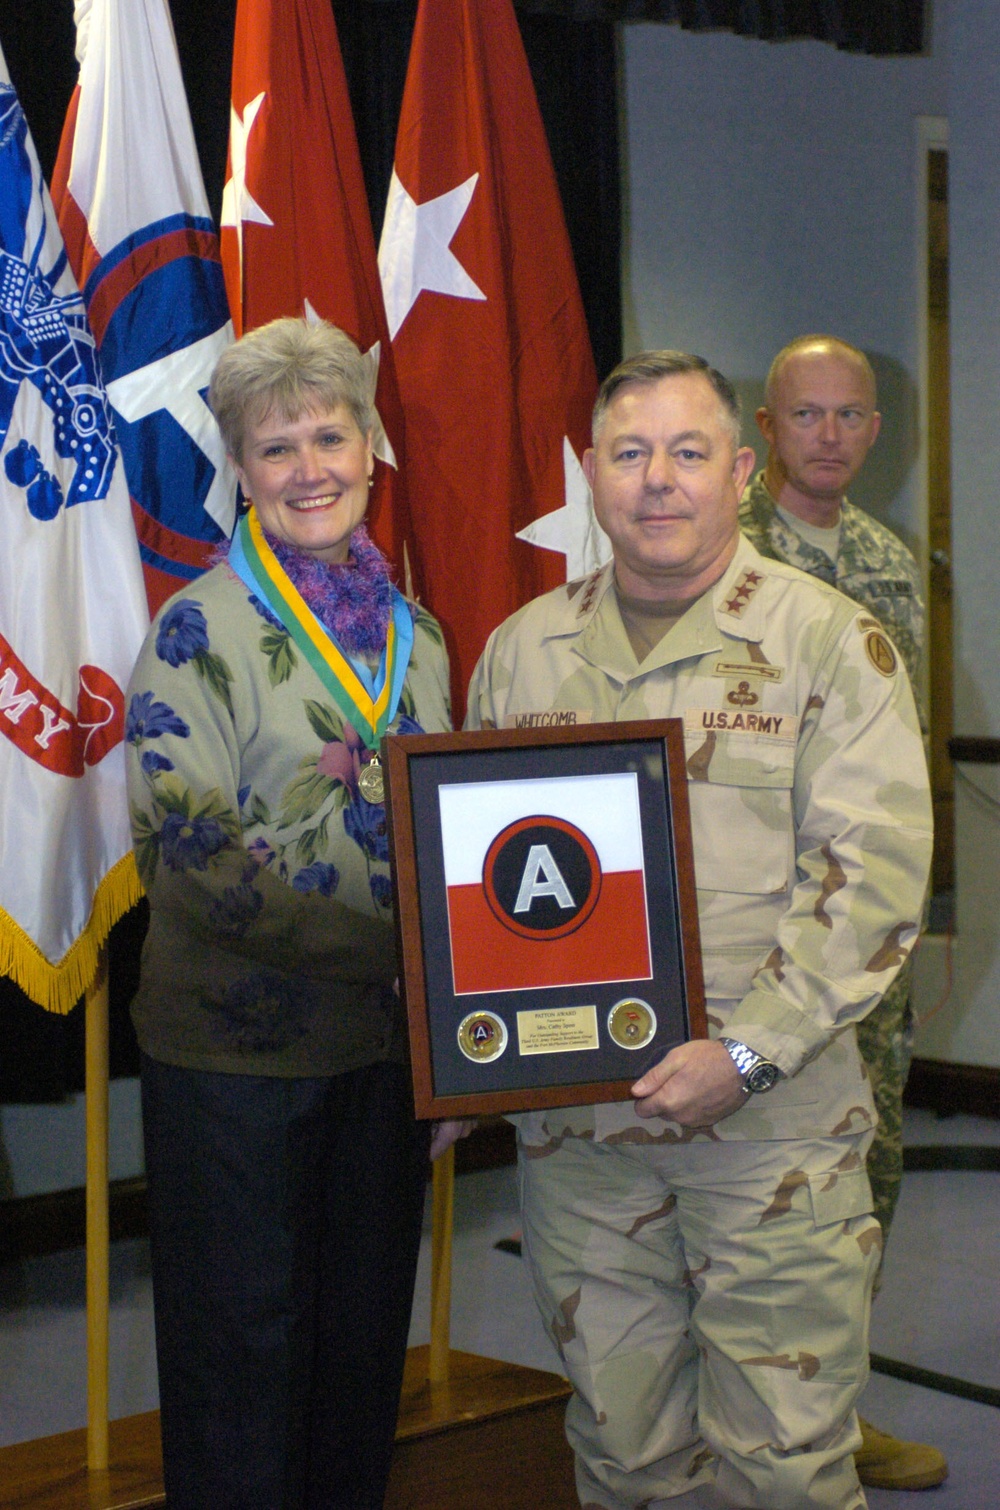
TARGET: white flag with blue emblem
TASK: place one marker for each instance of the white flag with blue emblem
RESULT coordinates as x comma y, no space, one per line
72,606
132,207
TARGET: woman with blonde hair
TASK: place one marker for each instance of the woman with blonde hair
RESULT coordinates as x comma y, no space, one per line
286,1170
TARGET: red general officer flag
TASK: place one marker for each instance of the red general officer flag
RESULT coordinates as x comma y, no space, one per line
545,882
492,351
296,230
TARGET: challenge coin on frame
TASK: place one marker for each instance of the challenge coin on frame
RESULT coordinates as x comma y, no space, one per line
482,1036
632,1023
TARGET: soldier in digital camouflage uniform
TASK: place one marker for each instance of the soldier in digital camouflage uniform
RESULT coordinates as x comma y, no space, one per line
820,421
703,1256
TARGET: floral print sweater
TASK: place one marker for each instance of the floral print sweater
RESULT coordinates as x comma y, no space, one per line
271,948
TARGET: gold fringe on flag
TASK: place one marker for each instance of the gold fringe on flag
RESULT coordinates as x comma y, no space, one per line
59,987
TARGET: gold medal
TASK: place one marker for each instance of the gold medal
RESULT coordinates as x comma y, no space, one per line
482,1036
371,782
631,1023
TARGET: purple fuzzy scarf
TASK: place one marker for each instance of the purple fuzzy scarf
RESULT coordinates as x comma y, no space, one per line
353,602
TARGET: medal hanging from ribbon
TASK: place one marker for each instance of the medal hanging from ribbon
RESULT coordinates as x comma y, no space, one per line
368,702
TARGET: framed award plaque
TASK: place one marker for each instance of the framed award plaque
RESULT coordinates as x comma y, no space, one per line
545,911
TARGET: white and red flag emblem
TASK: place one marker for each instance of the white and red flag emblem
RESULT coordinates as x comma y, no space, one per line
133,212
492,352
72,606
545,882
296,229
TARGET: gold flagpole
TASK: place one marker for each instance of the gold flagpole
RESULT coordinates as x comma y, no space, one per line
441,1231
96,1096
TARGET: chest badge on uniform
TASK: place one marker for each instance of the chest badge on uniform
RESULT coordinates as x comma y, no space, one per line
880,653
742,697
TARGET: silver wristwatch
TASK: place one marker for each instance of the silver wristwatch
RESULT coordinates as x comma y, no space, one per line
757,1073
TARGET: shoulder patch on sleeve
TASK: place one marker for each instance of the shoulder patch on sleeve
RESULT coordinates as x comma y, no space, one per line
880,653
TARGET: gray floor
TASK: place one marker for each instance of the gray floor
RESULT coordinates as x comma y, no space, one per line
939,1309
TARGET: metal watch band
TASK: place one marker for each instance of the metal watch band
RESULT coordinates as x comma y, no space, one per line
757,1073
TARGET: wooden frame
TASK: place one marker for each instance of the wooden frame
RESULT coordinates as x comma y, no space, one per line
520,994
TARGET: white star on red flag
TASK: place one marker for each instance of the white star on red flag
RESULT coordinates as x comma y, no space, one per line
415,251
572,530
238,204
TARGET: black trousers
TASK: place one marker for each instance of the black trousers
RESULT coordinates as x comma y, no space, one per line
285,1221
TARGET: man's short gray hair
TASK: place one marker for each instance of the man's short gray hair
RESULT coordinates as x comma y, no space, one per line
286,368
649,367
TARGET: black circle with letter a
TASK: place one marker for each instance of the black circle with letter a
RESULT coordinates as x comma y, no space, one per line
542,877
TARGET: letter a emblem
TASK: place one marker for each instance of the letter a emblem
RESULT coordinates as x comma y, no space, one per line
542,877
541,863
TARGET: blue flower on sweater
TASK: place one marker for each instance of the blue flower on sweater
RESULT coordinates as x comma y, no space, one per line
153,761
381,888
183,632
263,1012
264,611
408,725
365,824
189,843
318,876
148,719
236,909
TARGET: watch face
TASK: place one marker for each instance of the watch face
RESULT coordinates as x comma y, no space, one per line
762,1077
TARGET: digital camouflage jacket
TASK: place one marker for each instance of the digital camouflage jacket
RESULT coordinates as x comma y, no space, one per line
873,567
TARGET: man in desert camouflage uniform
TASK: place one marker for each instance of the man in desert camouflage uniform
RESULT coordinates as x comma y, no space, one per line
820,421
703,1256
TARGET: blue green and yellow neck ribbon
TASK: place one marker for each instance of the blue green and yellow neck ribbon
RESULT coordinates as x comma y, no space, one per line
368,702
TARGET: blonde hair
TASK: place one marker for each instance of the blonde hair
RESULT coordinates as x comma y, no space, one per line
285,368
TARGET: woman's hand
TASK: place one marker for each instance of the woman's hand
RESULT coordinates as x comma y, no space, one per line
444,1134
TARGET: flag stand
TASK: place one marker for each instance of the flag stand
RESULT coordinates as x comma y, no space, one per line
96,1098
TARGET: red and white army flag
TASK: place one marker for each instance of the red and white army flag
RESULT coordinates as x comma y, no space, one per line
492,351
133,212
545,882
72,605
296,229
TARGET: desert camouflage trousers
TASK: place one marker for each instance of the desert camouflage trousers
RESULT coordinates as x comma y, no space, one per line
885,1039
710,1304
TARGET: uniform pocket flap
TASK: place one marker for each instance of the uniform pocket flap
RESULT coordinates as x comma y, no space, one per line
840,1194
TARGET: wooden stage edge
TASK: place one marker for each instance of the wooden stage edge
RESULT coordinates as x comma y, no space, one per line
489,1438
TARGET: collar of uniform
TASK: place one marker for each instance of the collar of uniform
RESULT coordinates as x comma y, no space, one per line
738,598
601,639
576,605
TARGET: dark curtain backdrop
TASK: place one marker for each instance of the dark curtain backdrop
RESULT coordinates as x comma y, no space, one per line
571,51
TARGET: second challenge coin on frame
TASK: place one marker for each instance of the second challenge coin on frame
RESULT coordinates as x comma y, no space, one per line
631,1023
